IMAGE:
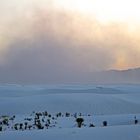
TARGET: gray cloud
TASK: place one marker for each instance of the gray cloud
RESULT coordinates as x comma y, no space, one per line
45,60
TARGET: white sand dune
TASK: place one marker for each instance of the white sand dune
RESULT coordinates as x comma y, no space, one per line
109,133
95,100
118,104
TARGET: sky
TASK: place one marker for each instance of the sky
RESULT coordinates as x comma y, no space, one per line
60,39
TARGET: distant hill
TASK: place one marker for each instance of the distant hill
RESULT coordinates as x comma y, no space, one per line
129,76
118,76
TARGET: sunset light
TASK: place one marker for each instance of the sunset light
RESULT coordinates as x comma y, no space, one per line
105,10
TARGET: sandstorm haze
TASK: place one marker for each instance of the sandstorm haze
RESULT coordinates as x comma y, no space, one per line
61,40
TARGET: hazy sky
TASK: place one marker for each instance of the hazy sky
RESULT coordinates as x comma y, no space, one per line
57,38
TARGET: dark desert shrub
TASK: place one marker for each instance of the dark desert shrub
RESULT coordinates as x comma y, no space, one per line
104,123
136,121
0,128
20,126
79,122
91,125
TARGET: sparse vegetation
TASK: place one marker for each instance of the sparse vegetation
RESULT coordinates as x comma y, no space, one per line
45,120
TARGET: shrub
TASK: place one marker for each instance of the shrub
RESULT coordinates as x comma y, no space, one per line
49,115
16,126
20,126
67,114
25,125
0,128
79,122
104,123
136,121
91,125
5,121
